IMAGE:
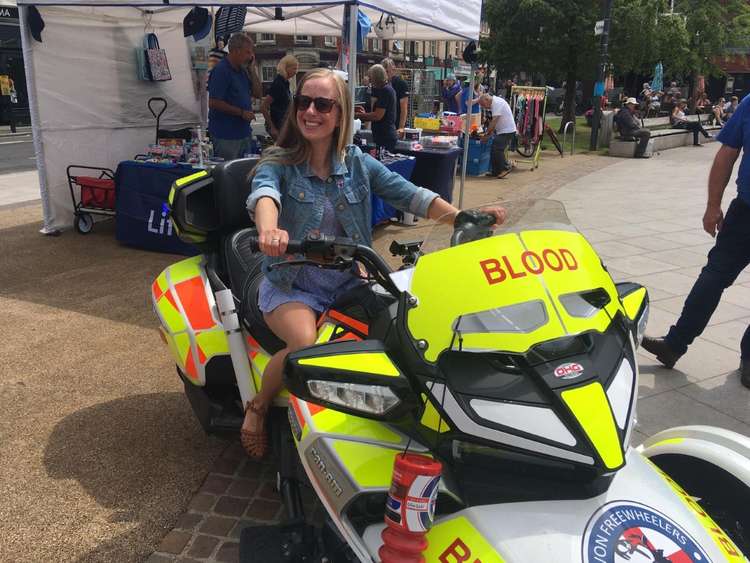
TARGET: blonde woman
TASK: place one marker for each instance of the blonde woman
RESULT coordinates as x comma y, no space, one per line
312,181
276,103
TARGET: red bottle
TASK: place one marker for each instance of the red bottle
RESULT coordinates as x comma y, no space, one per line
410,508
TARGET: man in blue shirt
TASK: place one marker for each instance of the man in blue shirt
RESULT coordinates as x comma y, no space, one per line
450,90
729,256
230,101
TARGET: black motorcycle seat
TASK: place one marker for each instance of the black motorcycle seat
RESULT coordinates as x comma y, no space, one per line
244,269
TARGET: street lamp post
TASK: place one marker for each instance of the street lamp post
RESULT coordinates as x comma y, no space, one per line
599,86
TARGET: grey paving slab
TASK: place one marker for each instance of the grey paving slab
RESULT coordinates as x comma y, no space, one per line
727,334
627,229
724,312
615,249
681,258
737,295
651,243
725,393
664,226
703,360
673,282
694,271
595,235
638,265
674,408
18,187
687,238
655,378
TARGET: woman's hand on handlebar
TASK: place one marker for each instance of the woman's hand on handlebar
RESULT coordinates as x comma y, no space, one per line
497,211
273,242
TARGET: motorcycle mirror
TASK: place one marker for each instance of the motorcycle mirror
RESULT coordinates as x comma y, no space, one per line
634,298
353,377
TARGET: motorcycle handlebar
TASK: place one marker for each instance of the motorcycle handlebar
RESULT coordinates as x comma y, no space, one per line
328,249
292,247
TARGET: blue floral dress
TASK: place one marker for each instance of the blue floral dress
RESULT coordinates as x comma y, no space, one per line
314,287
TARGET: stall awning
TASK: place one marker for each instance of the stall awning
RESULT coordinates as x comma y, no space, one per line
423,20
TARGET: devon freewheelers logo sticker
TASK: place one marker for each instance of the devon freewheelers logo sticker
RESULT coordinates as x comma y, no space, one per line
629,532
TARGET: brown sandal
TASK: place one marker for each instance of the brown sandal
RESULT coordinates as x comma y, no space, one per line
255,443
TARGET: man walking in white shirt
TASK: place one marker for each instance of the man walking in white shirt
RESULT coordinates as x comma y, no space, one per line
503,128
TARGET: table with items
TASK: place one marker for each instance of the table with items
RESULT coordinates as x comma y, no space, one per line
435,169
142,191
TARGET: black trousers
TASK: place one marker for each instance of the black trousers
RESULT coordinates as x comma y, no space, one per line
642,136
729,256
694,127
497,154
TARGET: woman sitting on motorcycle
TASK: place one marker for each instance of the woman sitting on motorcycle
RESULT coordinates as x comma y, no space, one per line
313,182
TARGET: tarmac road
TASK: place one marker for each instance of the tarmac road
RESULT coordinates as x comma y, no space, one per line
17,153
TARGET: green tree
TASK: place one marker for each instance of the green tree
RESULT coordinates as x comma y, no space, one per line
687,40
711,27
551,37
634,36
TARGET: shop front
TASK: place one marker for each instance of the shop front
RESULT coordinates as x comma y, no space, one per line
14,105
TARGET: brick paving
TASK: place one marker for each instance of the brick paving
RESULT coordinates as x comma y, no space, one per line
238,492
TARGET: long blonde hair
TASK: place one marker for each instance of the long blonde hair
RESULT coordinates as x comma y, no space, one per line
291,147
286,62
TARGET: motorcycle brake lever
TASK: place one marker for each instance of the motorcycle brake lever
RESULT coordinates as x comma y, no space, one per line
338,265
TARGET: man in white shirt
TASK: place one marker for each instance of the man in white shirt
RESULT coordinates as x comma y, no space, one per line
503,127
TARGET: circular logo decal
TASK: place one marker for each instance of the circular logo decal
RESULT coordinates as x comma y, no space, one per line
569,371
629,532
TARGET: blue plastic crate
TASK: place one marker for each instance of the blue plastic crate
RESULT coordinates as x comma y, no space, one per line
478,166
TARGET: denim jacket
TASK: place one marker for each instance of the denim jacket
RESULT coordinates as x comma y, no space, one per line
301,204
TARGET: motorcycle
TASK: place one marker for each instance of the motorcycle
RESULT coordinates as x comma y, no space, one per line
507,353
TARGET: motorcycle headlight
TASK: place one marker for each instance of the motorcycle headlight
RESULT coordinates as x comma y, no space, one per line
372,399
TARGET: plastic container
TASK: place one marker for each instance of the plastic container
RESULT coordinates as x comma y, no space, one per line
412,134
428,123
410,508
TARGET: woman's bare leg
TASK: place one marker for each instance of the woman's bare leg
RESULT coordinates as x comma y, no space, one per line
295,324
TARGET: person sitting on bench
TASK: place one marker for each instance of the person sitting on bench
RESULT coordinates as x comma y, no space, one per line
679,121
630,127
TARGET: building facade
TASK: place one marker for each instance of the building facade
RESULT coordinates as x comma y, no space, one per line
442,58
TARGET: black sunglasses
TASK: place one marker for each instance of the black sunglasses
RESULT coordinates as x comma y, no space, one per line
322,105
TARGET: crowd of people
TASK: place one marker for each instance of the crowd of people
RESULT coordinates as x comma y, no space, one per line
654,103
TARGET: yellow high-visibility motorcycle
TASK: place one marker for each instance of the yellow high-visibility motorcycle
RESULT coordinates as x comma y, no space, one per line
505,352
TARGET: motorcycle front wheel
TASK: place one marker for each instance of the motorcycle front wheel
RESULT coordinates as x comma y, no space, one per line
724,497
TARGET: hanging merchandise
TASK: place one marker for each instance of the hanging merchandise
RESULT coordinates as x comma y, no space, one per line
156,59
229,19
386,27
529,106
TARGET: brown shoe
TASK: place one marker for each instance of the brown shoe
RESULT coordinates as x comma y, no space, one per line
255,442
659,348
503,174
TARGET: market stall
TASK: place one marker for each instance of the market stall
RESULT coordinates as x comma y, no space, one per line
87,103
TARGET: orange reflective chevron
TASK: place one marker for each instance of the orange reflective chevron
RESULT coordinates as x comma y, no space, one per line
190,364
353,323
192,294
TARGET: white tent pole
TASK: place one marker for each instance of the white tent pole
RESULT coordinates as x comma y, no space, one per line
353,17
28,63
467,125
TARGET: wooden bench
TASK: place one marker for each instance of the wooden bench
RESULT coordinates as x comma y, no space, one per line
663,136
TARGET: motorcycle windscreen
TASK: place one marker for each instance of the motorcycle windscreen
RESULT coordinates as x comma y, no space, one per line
509,292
